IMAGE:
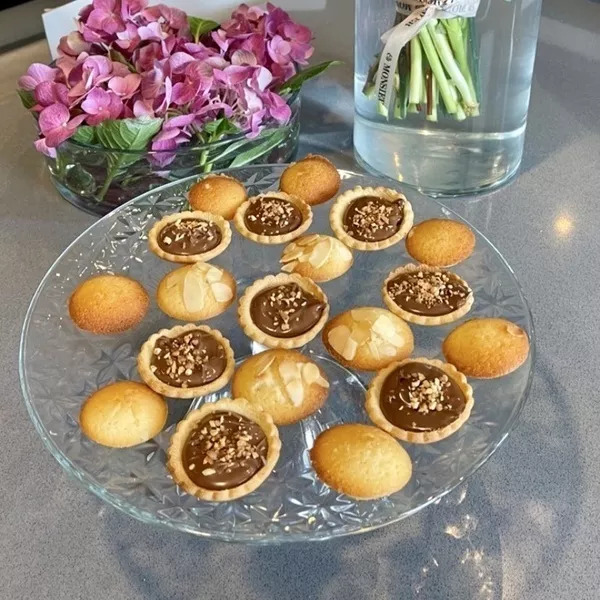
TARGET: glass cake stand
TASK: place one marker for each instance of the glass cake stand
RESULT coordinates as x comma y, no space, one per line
60,366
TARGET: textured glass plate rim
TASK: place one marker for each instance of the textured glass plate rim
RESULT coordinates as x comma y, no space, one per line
147,517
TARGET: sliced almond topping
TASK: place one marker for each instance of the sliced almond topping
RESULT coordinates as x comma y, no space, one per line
374,350
194,291
384,328
344,252
309,239
388,349
310,372
213,275
295,391
264,363
320,253
338,337
289,267
292,253
350,349
222,292
289,370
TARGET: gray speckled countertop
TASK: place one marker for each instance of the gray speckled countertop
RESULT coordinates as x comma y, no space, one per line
524,527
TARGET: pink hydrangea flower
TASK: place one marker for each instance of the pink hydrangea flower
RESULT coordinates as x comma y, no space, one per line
101,105
56,125
36,74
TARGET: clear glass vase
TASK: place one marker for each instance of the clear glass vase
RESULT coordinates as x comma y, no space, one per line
98,179
422,143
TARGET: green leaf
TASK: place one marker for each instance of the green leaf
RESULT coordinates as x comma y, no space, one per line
295,83
84,134
217,129
127,134
199,27
119,57
27,98
274,137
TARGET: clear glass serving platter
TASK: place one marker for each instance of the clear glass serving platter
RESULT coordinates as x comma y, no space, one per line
60,366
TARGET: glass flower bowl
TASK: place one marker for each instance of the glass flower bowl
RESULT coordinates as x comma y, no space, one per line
98,180
60,366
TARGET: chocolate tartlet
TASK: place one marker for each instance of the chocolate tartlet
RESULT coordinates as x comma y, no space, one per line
283,311
273,218
419,400
186,361
426,295
224,450
371,218
189,237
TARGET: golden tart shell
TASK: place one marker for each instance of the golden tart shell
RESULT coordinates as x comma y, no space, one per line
253,332
219,221
423,319
160,387
305,211
187,425
376,415
343,201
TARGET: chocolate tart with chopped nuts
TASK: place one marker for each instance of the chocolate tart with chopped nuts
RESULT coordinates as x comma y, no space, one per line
419,400
186,361
426,295
223,450
283,311
371,218
273,218
189,237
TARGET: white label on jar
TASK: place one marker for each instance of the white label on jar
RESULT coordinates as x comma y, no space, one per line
416,14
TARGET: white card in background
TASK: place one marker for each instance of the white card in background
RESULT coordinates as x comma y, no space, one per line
60,21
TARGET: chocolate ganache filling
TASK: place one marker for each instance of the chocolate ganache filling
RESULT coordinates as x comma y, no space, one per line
286,311
420,397
272,216
224,450
427,293
373,219
186,237
191,359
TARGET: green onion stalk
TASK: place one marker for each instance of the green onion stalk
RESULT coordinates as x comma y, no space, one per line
436,74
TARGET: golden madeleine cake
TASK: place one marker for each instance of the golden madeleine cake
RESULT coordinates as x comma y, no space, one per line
108,304
196,292
123,414
313,179
186,361
368,338
190,236
426,295
360,461
319,257
285,383
217,194
371,218
273,218
283,311
440,242
419,400
486,347
223,450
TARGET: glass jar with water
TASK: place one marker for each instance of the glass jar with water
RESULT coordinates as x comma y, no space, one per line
442,90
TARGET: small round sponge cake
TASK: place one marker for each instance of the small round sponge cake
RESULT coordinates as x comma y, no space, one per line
218,194
440,242
285,383
123,414
486,347
108,304
361,461
313,179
